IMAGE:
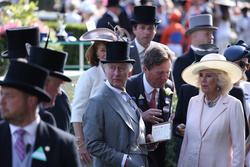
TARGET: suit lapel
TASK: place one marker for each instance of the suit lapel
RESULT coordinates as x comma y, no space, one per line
5,145
42,140
118,104
218,110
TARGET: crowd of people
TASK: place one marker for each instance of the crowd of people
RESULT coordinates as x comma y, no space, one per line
141,54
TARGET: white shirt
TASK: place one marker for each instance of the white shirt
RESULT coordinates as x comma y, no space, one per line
30,136
149,89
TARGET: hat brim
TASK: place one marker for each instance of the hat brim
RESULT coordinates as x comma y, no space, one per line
132,61
189,31
5,54
191,73
99,34
33,90
134,21
60,75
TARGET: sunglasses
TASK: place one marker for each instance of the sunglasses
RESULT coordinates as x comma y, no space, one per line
242,64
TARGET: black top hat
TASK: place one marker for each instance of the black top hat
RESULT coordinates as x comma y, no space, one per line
113,3
52,60
117,52
17,38
145,15
28,78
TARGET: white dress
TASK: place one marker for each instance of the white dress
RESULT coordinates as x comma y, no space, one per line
88,85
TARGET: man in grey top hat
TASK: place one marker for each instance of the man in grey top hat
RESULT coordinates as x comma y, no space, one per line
201,31
113,129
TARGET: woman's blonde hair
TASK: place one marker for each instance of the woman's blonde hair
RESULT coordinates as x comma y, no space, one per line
224,82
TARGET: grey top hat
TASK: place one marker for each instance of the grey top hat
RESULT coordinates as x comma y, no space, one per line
200,22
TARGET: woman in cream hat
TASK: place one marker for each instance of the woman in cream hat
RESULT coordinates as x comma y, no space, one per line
215,126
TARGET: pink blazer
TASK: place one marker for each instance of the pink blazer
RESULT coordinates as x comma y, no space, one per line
222,142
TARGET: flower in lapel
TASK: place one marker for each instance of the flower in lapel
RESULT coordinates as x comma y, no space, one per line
168,91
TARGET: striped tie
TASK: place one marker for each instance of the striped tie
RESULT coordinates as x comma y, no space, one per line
19,145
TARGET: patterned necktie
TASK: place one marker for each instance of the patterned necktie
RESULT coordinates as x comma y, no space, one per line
129,100
152,103
19,145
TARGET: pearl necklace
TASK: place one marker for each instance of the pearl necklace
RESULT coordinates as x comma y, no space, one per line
211,103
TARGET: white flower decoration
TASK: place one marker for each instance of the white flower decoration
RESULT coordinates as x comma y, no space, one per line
168,91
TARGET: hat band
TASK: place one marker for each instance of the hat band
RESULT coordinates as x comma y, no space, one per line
209,25
148,19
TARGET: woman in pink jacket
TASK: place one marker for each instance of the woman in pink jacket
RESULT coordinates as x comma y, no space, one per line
215,127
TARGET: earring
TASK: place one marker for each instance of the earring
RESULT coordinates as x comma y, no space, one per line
218,88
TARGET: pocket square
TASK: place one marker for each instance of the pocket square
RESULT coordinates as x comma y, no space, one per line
39,154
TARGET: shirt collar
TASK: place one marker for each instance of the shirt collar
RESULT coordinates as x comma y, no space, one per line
115,18
31,128
113,88
148,88
138,46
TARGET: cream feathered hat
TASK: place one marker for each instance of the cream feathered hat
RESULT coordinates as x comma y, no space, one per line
209,62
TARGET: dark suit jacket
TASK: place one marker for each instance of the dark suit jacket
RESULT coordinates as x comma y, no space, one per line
62,112
134,55
186,92
46,116
103,22
125,21
135,88
180,64
63,150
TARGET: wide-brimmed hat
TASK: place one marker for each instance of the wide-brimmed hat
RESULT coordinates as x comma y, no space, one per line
28,78
52,60
229,3
145,15
209,62
17,38
236,52
99,34
204,49
200,22
118,52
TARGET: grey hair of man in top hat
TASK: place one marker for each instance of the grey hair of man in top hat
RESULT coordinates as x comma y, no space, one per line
200,22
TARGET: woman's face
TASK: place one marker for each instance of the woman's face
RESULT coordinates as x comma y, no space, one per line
208,82
243,63
101,51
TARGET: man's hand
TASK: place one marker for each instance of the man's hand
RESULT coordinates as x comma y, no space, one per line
150,115
181,130
149,138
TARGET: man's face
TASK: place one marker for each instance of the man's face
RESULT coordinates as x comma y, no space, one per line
52,87
201,37
144,33
14,106
158,75
117,74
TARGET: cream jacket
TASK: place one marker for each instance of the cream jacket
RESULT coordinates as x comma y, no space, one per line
222,143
